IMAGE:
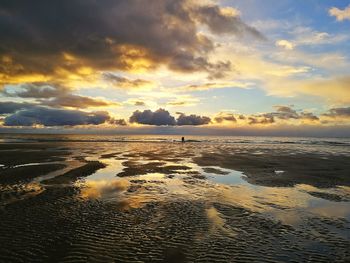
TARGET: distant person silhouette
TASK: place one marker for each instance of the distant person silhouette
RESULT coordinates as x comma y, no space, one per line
183,139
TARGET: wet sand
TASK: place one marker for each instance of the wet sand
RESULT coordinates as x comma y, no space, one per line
173,202
284,170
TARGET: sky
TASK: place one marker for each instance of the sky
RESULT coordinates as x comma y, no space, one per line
273,67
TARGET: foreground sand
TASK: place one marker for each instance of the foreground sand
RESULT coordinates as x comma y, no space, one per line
173,202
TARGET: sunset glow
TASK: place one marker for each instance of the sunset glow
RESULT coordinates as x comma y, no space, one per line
225,66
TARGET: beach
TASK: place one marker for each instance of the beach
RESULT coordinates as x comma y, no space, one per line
85,198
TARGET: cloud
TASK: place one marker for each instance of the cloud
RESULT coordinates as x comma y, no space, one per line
340,14
11,107
330,61
292,73
54,95
333,90
285,44
287,113
185,100
192,120
224,20
162,117
241,117
71,39
284,113
303,36
177,103
190,63
139,103
158,117
55,117
221,117
261,119
215,85
40,90
77,101
338,112
119,122
308,116
308,36
123,82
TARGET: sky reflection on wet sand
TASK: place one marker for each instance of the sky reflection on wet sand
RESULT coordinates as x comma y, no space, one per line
291,205
193,191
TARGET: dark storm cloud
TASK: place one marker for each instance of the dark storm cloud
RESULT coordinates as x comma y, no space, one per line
55,117
220,22
11,107
109,34
192,120
339,112
54,95
190,63
163,117
75,101
36,90
158,117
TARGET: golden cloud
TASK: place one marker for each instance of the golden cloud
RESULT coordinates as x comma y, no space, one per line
340,14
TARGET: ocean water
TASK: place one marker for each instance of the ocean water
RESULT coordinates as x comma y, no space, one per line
341,145
173,138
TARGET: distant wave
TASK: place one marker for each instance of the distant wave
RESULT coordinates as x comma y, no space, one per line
6,138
